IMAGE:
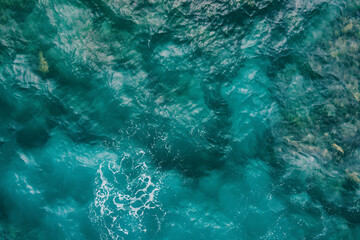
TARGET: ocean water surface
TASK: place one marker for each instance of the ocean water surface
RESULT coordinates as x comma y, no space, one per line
179,119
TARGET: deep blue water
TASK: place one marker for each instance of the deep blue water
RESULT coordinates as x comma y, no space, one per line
179,119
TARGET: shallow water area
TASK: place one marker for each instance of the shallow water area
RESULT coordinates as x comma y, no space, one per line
179,119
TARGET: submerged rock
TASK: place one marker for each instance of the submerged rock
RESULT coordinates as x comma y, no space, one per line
338,148
354,176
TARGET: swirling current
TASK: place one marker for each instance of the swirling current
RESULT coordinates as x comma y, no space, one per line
179,119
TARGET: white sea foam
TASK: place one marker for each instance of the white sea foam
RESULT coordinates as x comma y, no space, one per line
126,192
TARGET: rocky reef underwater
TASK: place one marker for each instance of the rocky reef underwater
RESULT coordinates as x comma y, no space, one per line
179,119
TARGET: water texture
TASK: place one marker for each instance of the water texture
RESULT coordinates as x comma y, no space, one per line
179,119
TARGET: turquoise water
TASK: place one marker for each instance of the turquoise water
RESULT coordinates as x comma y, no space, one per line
179,119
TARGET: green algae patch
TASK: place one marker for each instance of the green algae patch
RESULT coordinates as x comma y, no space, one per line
43,65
